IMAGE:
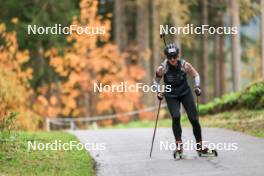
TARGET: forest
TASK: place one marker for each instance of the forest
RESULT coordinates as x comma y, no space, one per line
52,76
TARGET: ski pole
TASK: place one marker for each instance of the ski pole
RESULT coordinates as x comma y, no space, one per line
162,35
154,133
197,105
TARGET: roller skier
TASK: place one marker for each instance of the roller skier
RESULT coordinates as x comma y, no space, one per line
174,71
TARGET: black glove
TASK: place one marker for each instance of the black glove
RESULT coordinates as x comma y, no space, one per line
197,91
160,96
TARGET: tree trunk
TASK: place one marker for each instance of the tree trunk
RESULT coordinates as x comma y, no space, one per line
142,40
236,63
195,58
205,51
222,58
120,35
219,62
155,33
262,37
217,66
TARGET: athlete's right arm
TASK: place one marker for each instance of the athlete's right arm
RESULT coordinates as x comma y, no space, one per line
157,78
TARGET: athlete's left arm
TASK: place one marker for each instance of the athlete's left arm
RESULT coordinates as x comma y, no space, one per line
192,71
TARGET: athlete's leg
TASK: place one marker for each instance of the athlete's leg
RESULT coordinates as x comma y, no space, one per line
189,106
174,108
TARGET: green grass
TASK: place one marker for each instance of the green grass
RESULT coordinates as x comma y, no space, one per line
15,159
242,111
247,121
150,124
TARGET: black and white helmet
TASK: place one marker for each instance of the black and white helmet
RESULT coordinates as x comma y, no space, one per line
171,49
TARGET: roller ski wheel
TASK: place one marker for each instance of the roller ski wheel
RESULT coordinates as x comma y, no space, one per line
207,153
178,154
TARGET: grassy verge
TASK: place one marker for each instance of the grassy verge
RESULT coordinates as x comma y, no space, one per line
15,159
242,111
247,121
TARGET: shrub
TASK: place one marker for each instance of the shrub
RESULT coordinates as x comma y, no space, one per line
7,124
252,97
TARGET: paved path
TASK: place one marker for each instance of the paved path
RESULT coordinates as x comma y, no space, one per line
127,153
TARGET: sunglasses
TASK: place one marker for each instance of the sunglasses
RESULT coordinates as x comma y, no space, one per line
173,56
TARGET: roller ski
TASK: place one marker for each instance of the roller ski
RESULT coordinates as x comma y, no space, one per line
206,152
178,153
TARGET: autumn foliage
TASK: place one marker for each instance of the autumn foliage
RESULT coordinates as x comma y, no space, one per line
86,63
15,91
88,59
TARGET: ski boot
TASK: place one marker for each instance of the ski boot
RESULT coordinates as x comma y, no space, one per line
178,153
205,152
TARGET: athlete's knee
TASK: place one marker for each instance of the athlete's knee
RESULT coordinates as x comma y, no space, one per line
176,124
176,119
176,115
195,122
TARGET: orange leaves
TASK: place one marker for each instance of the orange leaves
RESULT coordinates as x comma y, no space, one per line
136,72
88,10
63,65
110,61
69,102
43,100
42,90
57,63
73,60
64,103
123,105
2,28
147,115
74,78
51,53
53,100
12,58
123,118
14,20
29,73
47,107
84,63
16,93
3,56
105,105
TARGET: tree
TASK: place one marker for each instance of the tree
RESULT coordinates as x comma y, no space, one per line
262,35
155,33
143,43
205,51
16,94
222,58
217,66
120,32
219,59
236,53
40,13
85,63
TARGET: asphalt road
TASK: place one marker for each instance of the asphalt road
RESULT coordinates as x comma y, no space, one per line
127,153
